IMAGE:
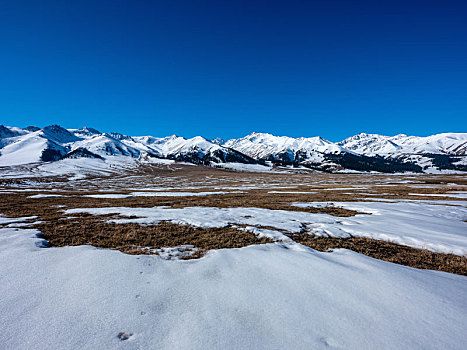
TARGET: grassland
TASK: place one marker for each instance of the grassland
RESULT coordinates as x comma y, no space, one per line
275,191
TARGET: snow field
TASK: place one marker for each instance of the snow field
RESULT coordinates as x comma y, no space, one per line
258,297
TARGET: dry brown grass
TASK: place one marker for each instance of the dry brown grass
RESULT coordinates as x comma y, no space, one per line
185,176
130,238
403,255
19,205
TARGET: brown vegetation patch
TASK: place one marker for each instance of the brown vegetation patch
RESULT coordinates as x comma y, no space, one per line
131,238
387,251
86,229
19,205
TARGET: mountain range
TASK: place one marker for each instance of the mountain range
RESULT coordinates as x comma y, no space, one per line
362,152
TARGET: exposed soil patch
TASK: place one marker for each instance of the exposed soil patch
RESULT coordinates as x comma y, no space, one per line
398,254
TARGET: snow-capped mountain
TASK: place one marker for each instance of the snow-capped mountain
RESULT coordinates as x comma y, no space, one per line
218,141
313,152
371,144
30,147
362,152
197,150
374,144
440,151
284,149
83,132
10,132
20,146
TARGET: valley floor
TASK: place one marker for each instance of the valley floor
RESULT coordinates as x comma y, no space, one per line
178,256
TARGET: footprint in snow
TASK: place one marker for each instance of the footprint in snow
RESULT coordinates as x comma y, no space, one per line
124,336
330,342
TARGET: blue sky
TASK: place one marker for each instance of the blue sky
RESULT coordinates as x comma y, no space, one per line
215,68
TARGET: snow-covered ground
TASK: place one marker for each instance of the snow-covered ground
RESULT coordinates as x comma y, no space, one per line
438,226
258,297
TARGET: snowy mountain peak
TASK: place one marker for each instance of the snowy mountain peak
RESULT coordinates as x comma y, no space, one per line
6,132
85,131
118,136
31,128
369,144
58,134
218,141
283,148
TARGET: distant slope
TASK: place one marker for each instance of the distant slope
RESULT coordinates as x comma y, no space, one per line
31,147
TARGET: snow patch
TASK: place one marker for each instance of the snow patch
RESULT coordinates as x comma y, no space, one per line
41,195
158,194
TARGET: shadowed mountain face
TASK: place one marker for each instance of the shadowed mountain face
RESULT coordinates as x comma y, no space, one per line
362,152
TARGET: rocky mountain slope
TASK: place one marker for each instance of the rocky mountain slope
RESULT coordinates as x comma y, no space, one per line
362,152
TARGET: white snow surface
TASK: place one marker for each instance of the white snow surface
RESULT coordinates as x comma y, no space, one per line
247,167
418,224
5,221
258,297
458,194
23,150
158,194
293,192
42,195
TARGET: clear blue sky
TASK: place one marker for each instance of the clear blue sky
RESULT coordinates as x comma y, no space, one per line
227,68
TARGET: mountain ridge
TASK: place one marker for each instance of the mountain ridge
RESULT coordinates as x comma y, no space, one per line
361,152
